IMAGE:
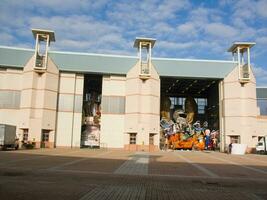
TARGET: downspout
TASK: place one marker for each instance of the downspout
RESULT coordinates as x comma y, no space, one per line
58,92
222,119
74,97
265,145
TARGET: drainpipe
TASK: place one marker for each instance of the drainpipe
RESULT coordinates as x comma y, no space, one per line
222,119
58,92
73,111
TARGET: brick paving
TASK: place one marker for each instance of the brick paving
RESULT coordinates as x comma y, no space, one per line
113,174
136,165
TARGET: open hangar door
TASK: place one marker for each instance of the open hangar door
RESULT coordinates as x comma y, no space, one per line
91,115
189,113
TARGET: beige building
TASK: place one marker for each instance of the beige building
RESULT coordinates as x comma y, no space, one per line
68,99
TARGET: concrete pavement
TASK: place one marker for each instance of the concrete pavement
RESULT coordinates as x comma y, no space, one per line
114,174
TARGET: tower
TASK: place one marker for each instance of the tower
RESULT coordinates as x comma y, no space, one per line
239,49
42,43
144,46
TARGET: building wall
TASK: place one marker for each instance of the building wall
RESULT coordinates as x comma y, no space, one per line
142,108
239,109
39,101
10,96
112,121
35,94
69,115
262,125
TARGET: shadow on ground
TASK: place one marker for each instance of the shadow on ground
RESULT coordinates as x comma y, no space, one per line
91,175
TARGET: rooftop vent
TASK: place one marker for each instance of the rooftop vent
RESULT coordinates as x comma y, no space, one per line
144,46
239,49
43,39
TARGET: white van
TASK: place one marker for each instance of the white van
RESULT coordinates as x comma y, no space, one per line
261,147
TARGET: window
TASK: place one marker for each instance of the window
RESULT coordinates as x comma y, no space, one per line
132,138
45,137
41,50
235,139
113,104
151,139
25,135
262,104
179,102
201,104
9,99
144,58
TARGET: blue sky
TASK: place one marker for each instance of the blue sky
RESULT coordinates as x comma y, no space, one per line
183,28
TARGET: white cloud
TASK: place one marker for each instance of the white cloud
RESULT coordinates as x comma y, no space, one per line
221,30
261,75
262,40
181,27
146,13
6,38
81,32
174,45
200,15
187,28
261,8
249,9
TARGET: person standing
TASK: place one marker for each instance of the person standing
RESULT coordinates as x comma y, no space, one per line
230,148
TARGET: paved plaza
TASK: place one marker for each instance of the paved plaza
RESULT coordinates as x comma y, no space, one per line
113,174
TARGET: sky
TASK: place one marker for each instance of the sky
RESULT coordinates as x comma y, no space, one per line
184,29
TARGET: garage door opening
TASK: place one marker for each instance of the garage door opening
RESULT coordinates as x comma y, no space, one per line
91,115
189,113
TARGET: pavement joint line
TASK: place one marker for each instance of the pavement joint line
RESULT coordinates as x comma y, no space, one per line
66,164
101,154
21,160
76,161
149,175
65,153
261,161
241,165
199,167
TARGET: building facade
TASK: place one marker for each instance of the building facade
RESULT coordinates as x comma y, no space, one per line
54,97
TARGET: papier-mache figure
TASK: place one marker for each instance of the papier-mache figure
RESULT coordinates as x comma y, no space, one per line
190,109
207,138
165,108
179,118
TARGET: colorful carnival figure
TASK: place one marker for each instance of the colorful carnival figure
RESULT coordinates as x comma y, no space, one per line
190,110
207,138
165,108
179,118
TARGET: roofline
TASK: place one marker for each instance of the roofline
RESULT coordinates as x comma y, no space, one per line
90,72
122,56
8,65
236,44
16,48
51,33
92,54
192,77
144,39
264,87
196,60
